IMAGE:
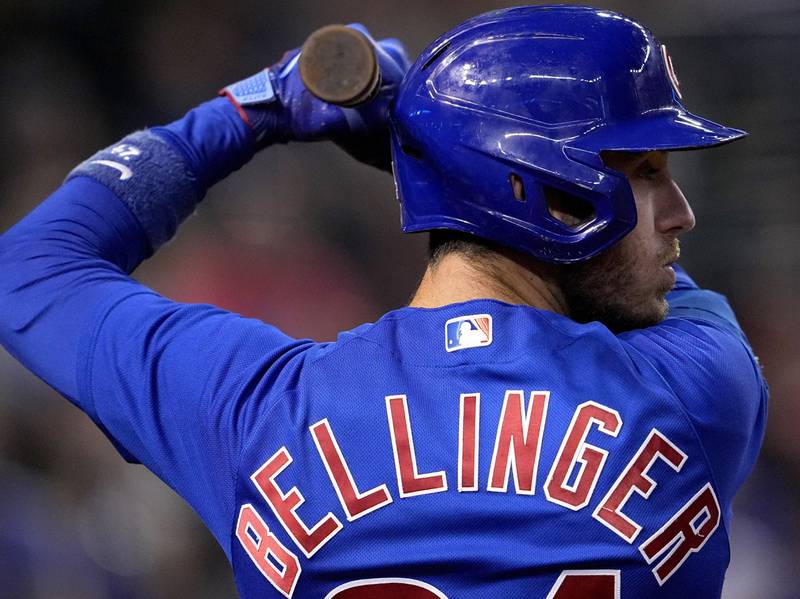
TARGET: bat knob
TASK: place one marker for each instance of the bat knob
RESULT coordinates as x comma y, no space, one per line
338,65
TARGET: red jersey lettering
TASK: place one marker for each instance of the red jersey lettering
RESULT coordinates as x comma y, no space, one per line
355,504
518,442
285,506
409,481
258,543
635,478
684,534
469,421
575,450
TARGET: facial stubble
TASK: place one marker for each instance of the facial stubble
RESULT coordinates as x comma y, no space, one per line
620,288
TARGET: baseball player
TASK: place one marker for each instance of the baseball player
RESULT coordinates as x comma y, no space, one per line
561,412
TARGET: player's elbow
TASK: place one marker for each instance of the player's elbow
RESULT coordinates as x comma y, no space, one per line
28,279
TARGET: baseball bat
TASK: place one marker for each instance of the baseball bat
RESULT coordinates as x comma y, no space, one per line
338,65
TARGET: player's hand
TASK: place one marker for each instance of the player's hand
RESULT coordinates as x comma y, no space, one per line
362,131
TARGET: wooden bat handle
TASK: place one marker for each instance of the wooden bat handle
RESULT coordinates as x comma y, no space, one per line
338,65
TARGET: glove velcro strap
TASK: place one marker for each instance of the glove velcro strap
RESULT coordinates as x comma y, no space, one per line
256,101
253,90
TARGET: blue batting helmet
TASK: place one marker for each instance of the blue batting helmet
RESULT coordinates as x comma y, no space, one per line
516,104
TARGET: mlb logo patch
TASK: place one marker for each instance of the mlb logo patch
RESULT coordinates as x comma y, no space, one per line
468,331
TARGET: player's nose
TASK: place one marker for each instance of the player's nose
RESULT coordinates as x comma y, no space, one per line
674,216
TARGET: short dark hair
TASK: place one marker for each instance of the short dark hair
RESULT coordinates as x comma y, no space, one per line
444,241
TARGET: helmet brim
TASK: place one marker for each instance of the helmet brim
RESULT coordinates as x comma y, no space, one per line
668,129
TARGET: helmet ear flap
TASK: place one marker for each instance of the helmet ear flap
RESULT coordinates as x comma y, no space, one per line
569,219
521,191
569,209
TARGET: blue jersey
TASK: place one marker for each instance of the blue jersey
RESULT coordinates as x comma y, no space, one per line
475,450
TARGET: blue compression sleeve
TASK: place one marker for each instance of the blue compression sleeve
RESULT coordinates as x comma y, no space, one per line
168,382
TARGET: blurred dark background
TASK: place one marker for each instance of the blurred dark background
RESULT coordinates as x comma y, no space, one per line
308,240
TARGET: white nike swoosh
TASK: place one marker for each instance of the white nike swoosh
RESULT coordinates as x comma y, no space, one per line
125,172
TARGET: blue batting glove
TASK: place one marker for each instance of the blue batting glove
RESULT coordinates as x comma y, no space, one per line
279,108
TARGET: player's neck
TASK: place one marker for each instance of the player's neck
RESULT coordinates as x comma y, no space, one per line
508,278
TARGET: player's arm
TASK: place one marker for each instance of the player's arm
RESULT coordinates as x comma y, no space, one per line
171,384
701,352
